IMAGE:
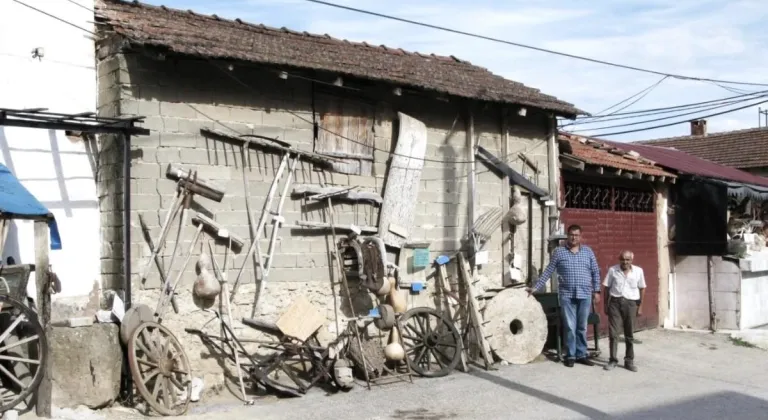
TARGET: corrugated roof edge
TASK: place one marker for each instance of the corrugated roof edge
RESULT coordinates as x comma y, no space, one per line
685,163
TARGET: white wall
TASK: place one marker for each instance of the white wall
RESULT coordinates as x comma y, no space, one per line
754,299
692,294
57,170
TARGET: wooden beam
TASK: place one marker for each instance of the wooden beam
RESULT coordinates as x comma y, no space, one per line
506,240
471,172
650,178
42,281
531,164
600,170
572,162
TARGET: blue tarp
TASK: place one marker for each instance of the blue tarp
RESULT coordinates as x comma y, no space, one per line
15,200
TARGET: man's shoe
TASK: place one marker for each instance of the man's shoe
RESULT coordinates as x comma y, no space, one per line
630,366
612,364
585,361
569,363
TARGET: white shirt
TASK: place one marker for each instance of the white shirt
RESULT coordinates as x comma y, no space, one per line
626,286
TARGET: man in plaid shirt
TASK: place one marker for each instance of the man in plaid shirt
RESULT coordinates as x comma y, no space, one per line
579,284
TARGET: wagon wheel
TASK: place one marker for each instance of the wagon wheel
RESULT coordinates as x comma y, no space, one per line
22,352
431,342
160,369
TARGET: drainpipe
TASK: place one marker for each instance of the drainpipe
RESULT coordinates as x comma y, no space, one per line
553,174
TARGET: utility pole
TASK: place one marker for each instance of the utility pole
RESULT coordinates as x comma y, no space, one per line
762,114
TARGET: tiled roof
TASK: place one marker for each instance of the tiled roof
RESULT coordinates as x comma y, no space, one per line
737,149
684,163
189,33
595,152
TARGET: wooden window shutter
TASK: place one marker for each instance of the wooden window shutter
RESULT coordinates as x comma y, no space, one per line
346,132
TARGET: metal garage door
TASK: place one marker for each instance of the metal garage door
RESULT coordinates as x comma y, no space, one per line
613,219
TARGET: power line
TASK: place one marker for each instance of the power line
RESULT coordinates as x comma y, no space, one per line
662,118
55,17
662,110
631,117
247,86
643,92
80,5
531,47
677,122
373,148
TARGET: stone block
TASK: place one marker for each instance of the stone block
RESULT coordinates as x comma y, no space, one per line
178,110
87,363
194,156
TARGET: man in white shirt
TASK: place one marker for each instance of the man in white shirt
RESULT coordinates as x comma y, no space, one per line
625,288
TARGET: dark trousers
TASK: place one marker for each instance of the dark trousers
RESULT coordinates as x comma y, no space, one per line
621,318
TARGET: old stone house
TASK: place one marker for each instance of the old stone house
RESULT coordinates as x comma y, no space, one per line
185,72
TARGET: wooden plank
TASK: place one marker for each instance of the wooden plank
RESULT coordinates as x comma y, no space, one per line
42,281
446,295
465,274
346,130
323,225
506,238
345,193
472,193
301,319
401,191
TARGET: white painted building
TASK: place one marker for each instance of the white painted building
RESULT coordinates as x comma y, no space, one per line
58,170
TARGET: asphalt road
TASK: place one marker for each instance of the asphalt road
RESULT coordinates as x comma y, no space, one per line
682,375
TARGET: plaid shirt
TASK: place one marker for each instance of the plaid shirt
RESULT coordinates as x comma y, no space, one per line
579,273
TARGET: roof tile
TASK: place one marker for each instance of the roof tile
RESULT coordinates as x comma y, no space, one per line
596,153
211,36
738,149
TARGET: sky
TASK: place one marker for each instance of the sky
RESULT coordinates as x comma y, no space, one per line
718,39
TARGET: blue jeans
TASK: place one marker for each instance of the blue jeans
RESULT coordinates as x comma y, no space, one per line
575,313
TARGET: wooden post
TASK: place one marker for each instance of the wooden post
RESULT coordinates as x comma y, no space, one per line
553,175
711,290
42,281
471,174
506,239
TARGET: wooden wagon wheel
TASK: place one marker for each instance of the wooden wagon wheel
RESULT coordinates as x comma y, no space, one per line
432,343
160,369
22,352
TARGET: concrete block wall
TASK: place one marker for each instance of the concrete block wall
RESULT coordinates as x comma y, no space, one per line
692,293
179,97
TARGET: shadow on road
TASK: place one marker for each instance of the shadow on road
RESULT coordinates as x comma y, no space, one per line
542,395
718,405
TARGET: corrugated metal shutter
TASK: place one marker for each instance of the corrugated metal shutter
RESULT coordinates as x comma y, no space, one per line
346,131
631,226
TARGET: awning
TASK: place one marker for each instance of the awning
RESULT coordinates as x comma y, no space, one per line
515,178
17,202
741,191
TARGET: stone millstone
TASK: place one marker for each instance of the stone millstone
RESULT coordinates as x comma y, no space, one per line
516,326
